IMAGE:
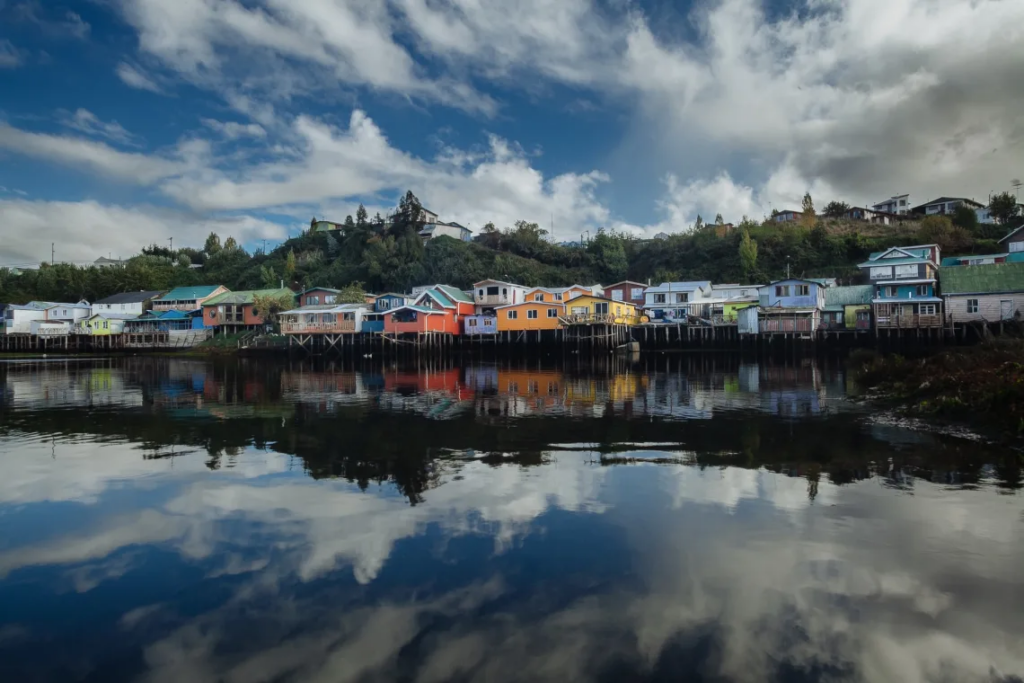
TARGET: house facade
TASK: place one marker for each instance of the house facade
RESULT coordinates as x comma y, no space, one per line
672,301
787,216
318,296
18,319
187,298
861,213
791,306
628,291
905,293
597,309
983,294
1013,243
318,319
68,313
449,229
489,294
531,315
390,301
103,324
236,311
897,204
557,295
126,303
945,205
438,309
847,308
477,325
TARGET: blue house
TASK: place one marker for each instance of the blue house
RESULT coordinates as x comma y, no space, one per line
390,301
791,306
904,279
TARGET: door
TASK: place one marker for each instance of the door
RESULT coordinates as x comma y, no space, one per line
1006,309
601,308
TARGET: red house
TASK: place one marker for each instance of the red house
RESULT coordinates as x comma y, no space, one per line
628,291
319,296
438,309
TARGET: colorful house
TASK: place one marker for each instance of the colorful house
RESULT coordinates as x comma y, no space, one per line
597,309
531,315
339,319
847,308
477,325
318,296
187,298
904,279
983,294
165,321
438,309
556,295
628,291
235,311
103,324
672,301
791,306
389,302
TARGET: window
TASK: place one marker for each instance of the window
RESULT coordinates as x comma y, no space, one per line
471,322
538,297
906,271
903,202
617,294
580,310
881,273
552,312
532,386
659,298
312,300
513,387
558,297
972,305
512,315
504,292
330,298
213,313
636,293
682,297
781,290
803,290
481,293
492,291
1016,246
927,309
532,314
891,292
601,308
921,290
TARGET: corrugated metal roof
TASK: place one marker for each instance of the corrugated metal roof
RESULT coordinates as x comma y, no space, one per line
129,298
990,279
882,263
189,293
456,294
246,296
849,296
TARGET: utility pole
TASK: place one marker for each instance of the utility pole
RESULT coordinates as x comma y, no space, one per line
170,242
787,267
264,246
52,252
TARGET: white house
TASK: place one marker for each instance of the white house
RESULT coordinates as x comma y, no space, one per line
946,205
69,313
897,204
488,294
449,229
735,292
677,300
18,319
126,303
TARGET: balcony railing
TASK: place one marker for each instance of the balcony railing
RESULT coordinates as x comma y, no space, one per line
318,327
771,325
908,321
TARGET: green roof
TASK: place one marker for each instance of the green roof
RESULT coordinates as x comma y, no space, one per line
997,278
189,293
455,294
881,263
854,295
246,297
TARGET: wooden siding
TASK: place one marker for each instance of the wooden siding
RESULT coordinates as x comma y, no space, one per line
522,321
620,312
437,322
989,307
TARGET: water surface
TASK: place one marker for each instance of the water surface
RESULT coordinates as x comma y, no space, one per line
688,518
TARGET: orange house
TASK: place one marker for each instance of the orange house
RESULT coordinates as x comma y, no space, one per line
439,309
556,294
532,315
235,310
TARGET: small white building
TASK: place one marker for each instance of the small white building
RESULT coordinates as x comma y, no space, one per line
126,303
897,204
677,300
735,292
69,313
449,229
488,294
18,319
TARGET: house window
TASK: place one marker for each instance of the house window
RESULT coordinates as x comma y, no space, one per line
580,310
1016,247
330,298
881,273
927,309
213,313
601,308
636,294
906,271
891,292
659,298
617,294
532,314
781,290
538,297
682,298
921,290
558,297
471,322
512,315
481,293
313,300
552,312
972,305
492,291
504,292
803,290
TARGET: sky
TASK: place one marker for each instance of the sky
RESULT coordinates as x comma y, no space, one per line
130,122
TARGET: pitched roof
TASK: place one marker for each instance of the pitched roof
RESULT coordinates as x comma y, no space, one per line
129,298
498,282
189,293
955,260
246,296
991,279
849,296
320,289
625,282
944,200
882,263
418,309
680,286
455,294
437,296
113,316
1012,232
536,303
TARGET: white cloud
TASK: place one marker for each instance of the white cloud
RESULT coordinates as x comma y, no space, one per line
86,230
232,130
10,56
135,78
86,122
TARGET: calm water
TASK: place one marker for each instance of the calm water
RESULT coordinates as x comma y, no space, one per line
691,519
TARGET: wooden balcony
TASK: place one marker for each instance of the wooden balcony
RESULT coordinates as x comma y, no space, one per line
338,327
905,322
786,325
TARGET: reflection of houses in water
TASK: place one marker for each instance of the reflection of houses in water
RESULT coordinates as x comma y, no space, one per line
516,393
67,384
791,391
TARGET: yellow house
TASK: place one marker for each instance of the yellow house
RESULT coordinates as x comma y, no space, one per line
556,295
597,309
103,324
730,310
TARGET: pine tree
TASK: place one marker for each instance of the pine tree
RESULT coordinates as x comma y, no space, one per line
810,218
748,254
289,265
719,220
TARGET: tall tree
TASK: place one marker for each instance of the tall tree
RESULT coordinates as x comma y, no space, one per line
270,306
362,220
719,220
230,244
965,217
352,294
212,245
1003,207
748,254
836,209
698,224
810,217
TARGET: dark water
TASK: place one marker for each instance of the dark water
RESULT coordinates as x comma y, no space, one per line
685,519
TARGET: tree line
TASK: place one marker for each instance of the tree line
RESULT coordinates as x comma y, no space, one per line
380,255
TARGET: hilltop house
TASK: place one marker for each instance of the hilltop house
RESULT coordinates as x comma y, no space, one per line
236,311
897,204
449,229
131,304
945,205
862,213
187,298
671,301
984,294
905,286
791,306
787,216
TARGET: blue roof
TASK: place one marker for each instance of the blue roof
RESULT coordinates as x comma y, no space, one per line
189,293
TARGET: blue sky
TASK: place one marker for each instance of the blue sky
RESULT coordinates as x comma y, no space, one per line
124,122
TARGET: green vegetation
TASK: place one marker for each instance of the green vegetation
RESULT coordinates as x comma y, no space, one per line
1003,207
378,255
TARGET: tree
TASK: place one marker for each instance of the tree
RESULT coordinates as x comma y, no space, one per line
719,220
698,224
352,294
361,217
748,254
965,217
270,306
810,218
230,244
212,245
312,224
184,261
1003,207
941,231
268,277
836,209
289,265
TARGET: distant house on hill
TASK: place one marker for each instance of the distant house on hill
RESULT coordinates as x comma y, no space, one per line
787,216
945,205
449,229
897,204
